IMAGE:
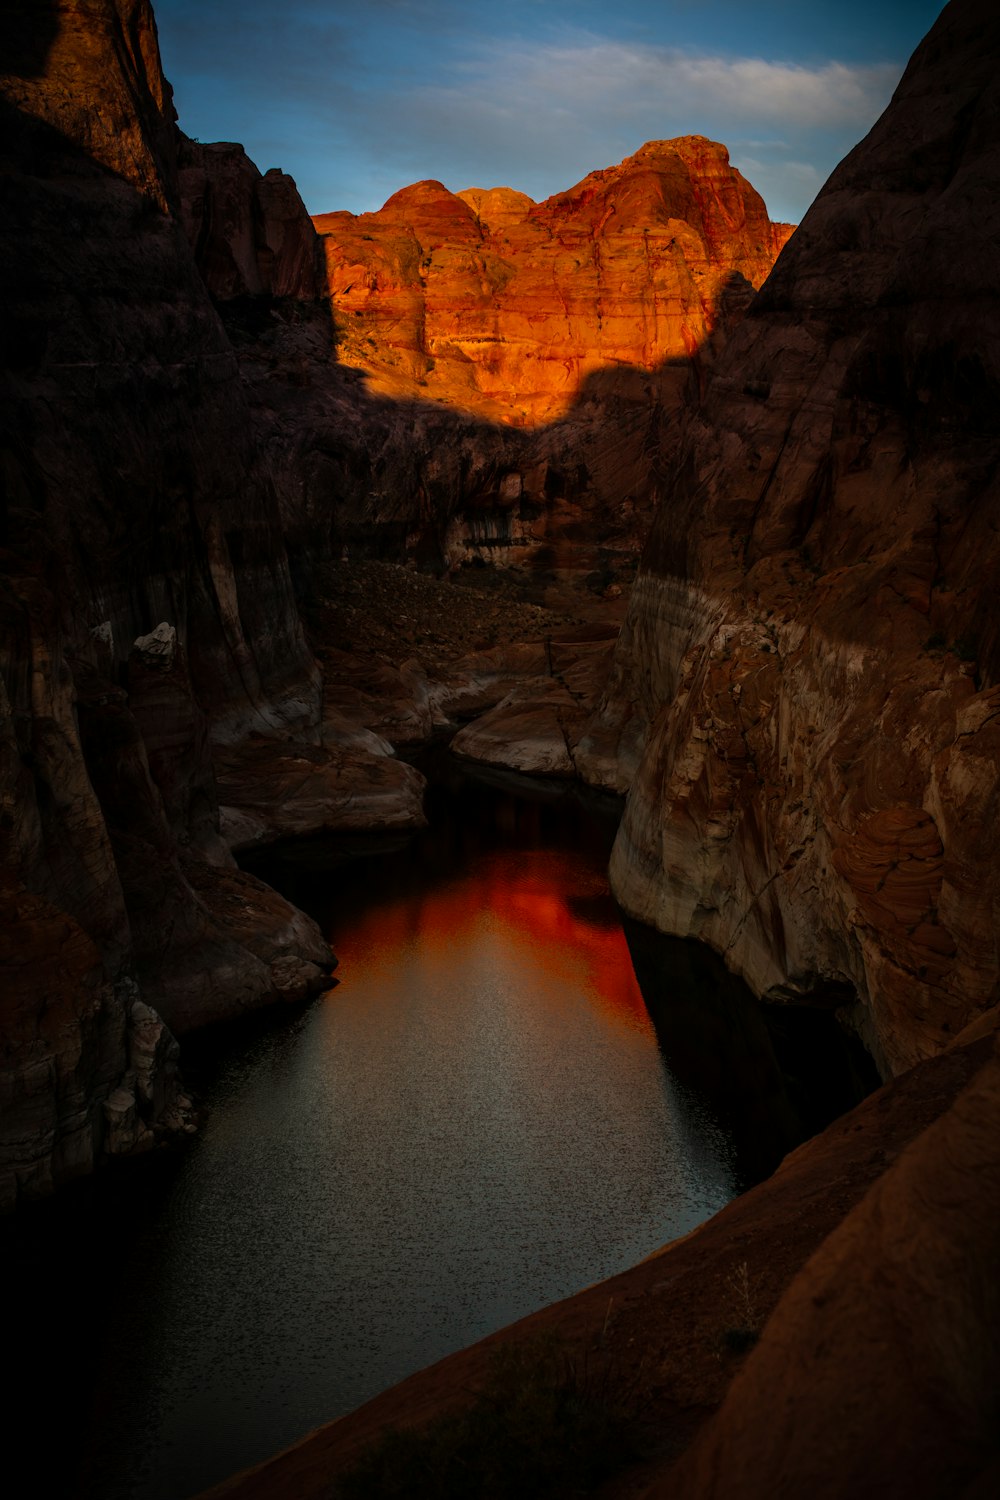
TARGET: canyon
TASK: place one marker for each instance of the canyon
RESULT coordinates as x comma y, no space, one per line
284,497
190,450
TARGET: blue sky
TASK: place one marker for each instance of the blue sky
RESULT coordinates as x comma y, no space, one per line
356,100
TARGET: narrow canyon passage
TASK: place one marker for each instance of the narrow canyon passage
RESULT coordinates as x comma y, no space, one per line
478,1120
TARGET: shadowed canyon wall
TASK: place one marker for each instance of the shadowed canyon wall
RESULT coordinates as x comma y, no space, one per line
147,611
806,689
180,408
804,702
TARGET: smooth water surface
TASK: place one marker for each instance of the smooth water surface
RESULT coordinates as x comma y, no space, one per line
479,1119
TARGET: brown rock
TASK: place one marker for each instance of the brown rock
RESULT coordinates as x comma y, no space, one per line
141,546
805,692
270,791
537,726
250,233
879,1369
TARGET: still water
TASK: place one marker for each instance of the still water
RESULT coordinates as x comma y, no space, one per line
480,1118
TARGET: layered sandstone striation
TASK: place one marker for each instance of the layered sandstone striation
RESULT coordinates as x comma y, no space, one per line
500,380
147,605
518,310
806,693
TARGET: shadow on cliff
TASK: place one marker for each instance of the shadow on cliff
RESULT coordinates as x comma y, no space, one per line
28,29
418,477
131,495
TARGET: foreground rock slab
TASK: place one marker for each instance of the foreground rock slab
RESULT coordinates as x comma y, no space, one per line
272,789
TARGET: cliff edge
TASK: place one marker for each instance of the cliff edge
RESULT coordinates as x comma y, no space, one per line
806,689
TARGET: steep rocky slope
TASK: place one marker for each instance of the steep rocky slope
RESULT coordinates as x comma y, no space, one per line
147,611
398,474
806,694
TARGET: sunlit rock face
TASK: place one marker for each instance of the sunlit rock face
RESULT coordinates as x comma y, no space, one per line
806,694
515,309
147,610
501,380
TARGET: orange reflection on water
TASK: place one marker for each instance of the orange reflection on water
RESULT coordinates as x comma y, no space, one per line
553,914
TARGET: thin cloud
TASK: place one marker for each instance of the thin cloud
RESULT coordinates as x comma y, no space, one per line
618,81
355,104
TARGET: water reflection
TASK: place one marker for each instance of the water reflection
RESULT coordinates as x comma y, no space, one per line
479,1119
476,1121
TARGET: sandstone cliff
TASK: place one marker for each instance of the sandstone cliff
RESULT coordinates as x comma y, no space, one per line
507,373
512,308
806,693
250,233
147,611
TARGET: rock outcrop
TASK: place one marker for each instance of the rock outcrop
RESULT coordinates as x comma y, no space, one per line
506,374
501,378
147,609
805,700
883,1299
517,309
250,233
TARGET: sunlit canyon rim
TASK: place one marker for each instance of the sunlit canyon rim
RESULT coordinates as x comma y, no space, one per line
236,449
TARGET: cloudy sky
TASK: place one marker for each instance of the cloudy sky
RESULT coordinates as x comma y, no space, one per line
357,98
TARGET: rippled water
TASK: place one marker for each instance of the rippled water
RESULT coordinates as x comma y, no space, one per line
477,1120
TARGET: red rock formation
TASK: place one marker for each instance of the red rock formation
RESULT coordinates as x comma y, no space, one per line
514,309
807,689
405,440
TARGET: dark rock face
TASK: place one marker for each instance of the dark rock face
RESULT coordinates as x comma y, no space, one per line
877,1372
250,233
807,688
146,602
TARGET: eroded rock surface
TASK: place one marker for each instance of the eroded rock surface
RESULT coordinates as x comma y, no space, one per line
806,694
394,433
147,610
510,307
